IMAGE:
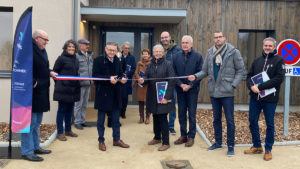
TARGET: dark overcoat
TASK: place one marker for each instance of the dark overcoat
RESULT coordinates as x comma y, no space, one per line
107,95
41,75
67,91
159,69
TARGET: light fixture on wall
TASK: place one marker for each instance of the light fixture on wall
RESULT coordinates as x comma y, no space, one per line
83,20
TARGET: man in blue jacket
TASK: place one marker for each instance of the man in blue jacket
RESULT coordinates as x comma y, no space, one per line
185,63
170,49
224,67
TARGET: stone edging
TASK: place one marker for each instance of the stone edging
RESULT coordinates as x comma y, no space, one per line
44,144
285,143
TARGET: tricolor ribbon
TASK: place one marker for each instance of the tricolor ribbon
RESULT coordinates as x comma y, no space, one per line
64,77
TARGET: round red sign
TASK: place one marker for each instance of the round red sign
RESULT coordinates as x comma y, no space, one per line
289,49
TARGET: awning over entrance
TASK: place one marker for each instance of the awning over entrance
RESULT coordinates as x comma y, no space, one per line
136,15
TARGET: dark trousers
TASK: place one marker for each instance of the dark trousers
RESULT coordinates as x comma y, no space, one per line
142,109
228,106
114,115
255,108
160,127
124,106
64,113
187,102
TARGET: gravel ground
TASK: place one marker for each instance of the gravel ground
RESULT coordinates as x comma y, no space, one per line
45,129
242,133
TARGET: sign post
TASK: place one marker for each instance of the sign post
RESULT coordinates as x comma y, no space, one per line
289,49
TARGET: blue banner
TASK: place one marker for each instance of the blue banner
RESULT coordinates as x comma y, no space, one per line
21,81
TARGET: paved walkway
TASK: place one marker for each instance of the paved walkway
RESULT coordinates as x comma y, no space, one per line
83,153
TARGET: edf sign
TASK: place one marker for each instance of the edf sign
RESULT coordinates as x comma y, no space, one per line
292,71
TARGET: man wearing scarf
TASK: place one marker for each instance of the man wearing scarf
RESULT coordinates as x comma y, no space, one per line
224,67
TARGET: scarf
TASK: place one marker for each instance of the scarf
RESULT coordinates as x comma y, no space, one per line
218,53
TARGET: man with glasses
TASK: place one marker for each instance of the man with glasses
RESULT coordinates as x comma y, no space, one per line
30,143
224,67
170,49
108,93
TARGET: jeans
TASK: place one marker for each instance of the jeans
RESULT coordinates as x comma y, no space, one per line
160,127
187,101
255,108
172,115
64,113
228,105
124,106
115,113
80,106
30,141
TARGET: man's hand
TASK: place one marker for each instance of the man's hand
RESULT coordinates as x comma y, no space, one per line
164,101
185,87
141,80
123,80
191,78
255,89
53,74
113,79
34,86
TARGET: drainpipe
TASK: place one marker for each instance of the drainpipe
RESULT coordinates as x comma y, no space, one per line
76,19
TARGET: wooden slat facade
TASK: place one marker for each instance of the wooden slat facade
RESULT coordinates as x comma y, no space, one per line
206,16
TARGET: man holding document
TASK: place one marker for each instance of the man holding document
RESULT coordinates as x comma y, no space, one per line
263,80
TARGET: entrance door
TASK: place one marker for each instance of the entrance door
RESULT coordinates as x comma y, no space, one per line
139,38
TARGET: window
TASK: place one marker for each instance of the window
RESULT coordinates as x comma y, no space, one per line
6,43
250,44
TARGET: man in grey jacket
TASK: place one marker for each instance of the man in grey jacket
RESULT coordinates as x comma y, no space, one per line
85,69
224,67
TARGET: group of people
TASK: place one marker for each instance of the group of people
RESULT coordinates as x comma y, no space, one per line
180,69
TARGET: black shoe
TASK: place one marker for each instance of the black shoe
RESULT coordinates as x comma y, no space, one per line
172,131
79,126
32,157
109,123
85,125
42,151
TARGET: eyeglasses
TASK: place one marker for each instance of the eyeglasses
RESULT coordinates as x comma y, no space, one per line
218,37
47,40
112,50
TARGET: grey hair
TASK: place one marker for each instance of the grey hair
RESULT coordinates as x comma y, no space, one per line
111,44
37,33
126,43
158,46
189,37
269,39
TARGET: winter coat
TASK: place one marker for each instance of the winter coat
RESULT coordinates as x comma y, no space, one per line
41,75
129,60
230,74
67,91
161,69
85,67
171,51
187,66
140,91
275,69
107,95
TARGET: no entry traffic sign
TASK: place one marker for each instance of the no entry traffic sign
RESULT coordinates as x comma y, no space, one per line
289,49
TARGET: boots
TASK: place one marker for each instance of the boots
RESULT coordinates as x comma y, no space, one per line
141,120
147,120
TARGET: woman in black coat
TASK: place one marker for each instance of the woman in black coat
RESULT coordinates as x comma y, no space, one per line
158,69
66,92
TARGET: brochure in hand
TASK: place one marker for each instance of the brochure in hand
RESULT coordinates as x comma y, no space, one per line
161,88
128,68
262,78
141,75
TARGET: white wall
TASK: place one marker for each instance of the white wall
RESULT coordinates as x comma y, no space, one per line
56,18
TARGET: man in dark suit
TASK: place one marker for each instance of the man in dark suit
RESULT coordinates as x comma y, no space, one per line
108,93
30,144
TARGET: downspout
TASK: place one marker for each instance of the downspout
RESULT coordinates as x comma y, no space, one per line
76,19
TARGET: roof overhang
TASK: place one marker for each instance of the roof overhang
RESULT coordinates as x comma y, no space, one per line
133,15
